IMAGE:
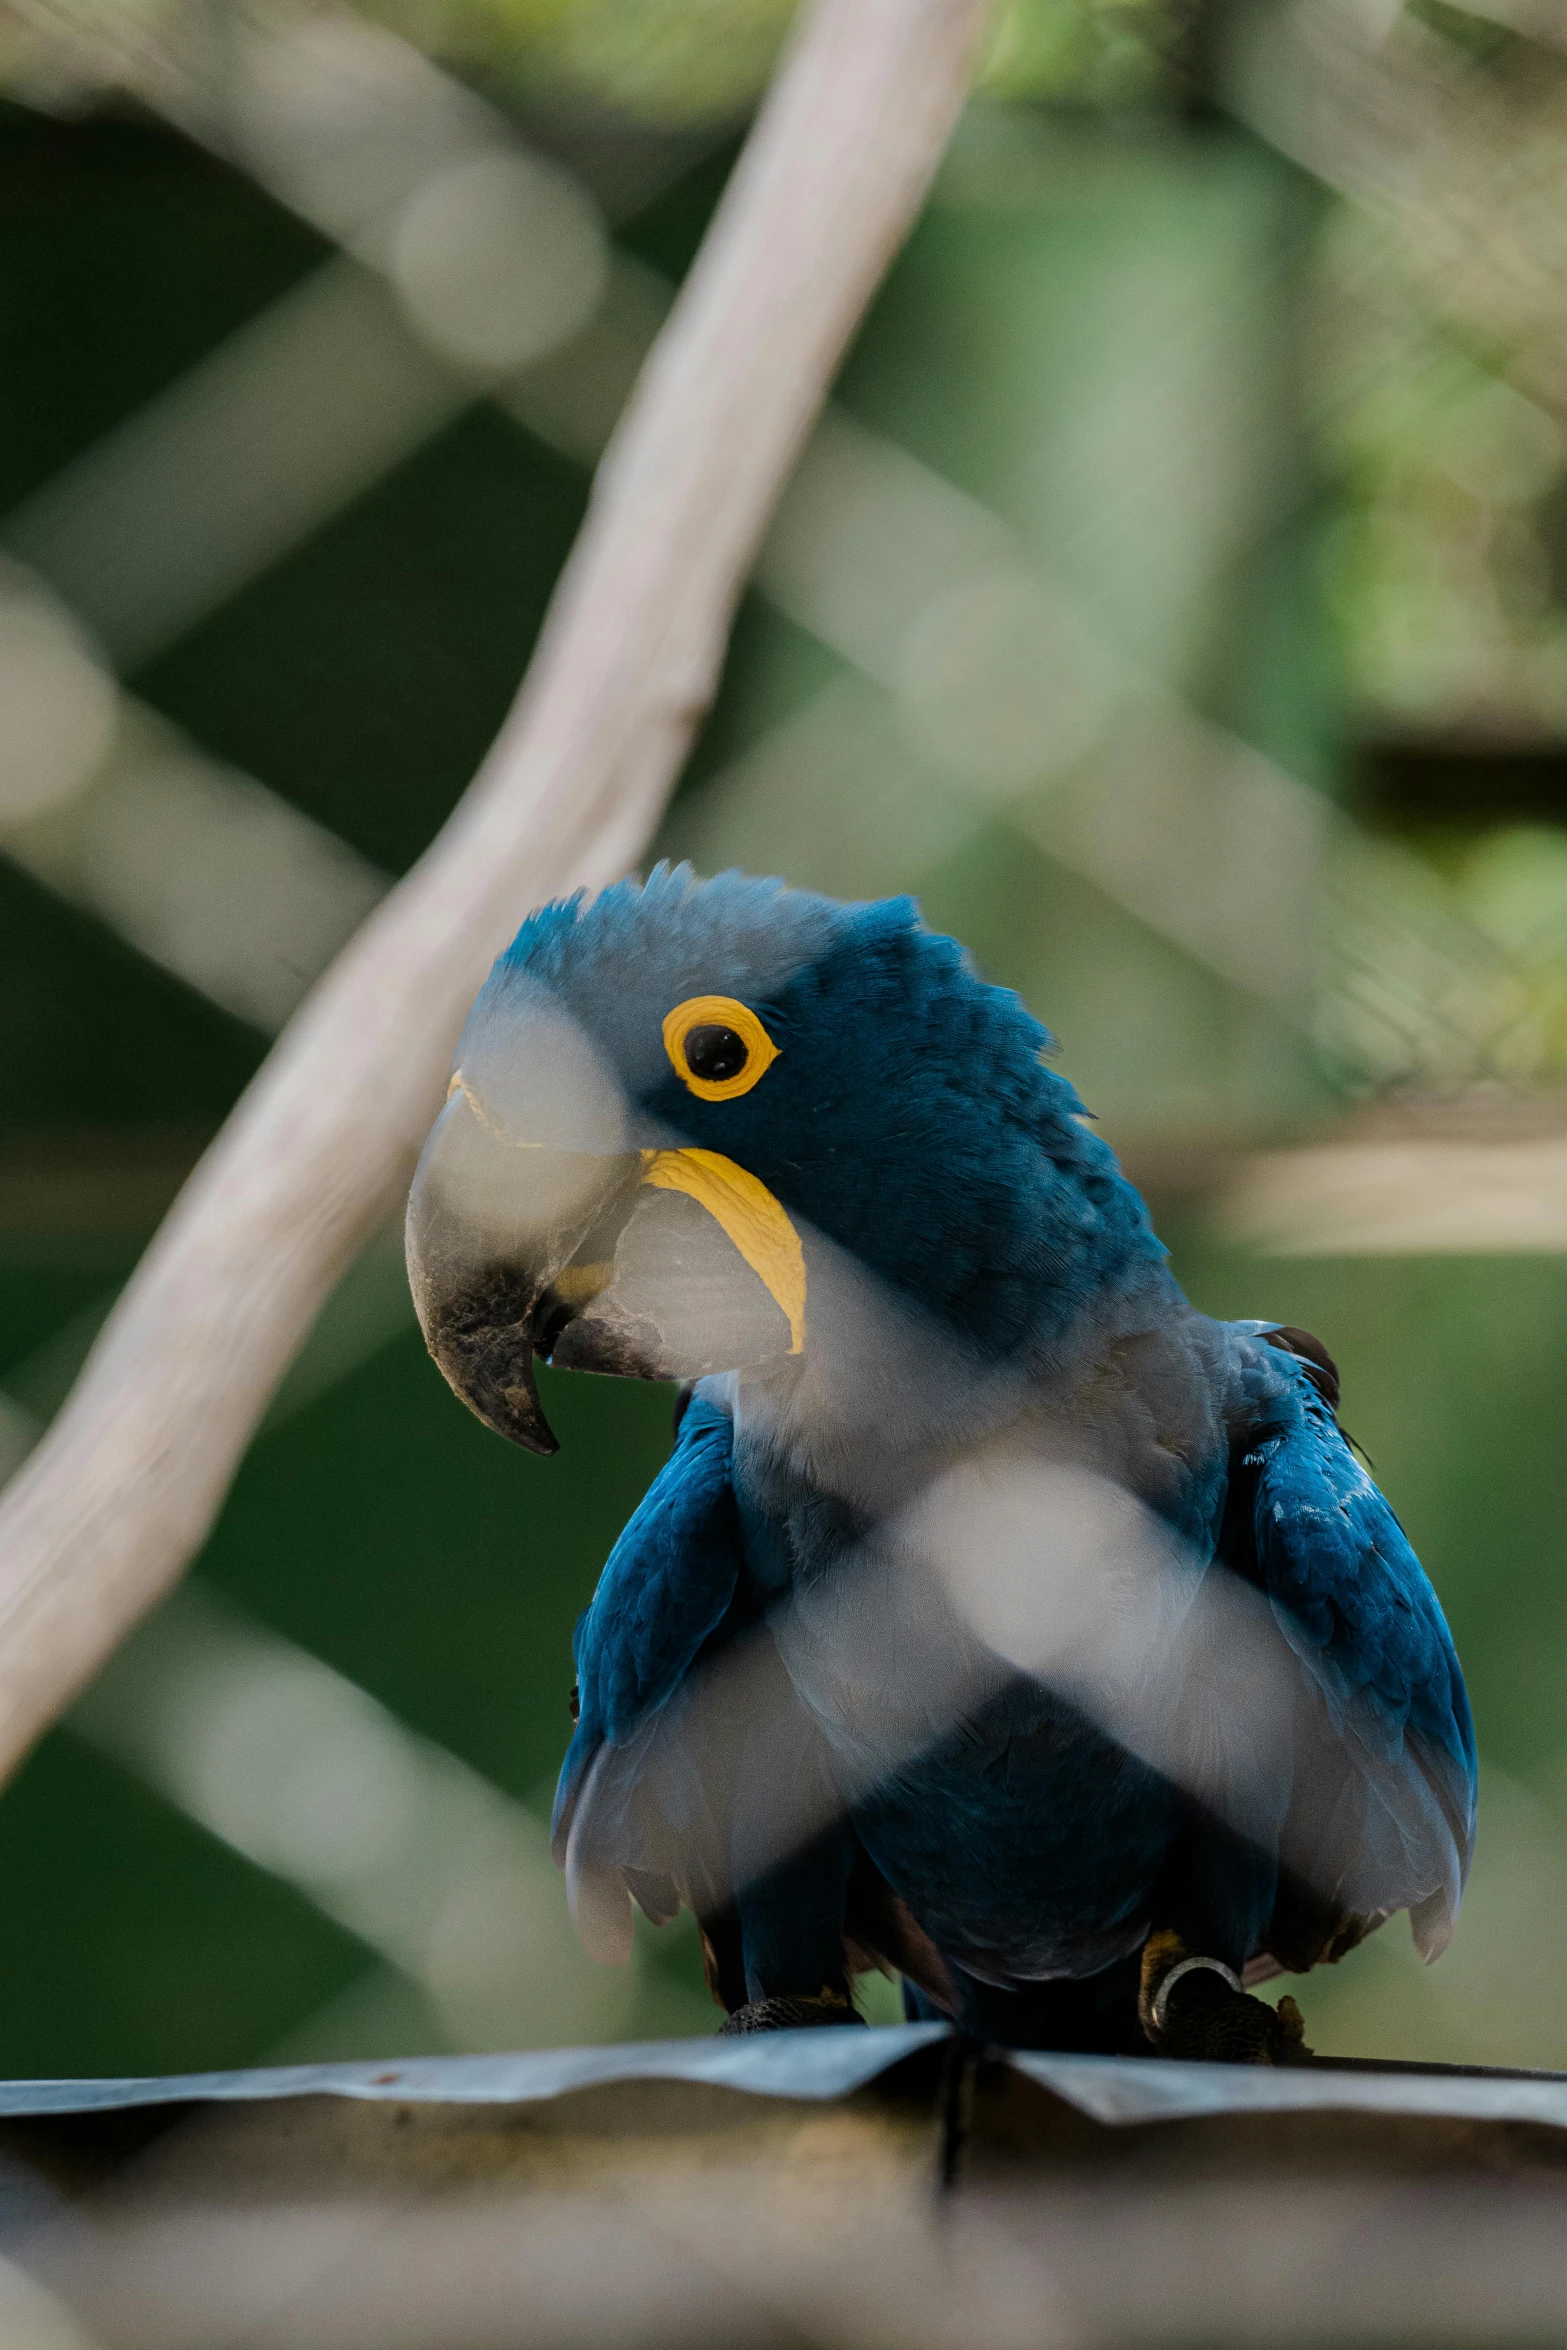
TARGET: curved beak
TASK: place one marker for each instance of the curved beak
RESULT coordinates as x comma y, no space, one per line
649,1264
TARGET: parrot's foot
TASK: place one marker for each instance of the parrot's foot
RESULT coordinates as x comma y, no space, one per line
790,2015
1196,2008
1206,2019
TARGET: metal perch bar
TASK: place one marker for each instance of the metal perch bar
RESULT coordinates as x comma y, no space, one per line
115,1502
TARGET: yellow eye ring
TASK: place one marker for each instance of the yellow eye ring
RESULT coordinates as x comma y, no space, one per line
737,1049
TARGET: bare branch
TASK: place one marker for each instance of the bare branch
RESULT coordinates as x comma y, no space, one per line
116,1500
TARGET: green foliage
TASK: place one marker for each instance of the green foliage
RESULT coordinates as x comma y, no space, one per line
683,62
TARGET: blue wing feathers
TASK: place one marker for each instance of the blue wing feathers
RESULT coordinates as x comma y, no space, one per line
666,1586
1354,1599
1358,1611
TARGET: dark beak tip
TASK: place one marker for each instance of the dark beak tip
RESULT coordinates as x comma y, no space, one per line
522,1423
536,1438
493,1390
516,1414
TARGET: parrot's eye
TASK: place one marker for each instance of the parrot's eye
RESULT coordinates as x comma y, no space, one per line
716,1053
717,1046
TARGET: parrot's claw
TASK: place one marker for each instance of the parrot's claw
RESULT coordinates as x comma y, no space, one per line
1195,2007
790,2015
1207,2019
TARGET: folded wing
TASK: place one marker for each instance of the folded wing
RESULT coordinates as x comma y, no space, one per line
1382,1809
667,1585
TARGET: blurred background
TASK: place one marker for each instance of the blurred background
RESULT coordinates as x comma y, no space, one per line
1174,599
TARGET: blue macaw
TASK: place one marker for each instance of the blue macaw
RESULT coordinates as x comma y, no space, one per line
800,1157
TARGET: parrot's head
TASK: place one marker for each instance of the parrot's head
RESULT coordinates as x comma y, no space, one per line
669,1099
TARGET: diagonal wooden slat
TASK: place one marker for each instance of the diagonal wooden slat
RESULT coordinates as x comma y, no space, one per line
114,1503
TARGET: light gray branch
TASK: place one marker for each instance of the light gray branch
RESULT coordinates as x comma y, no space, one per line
115,1501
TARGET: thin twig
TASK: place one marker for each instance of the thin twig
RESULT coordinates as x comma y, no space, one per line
119,1496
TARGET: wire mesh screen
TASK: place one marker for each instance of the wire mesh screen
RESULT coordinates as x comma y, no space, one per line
1171,599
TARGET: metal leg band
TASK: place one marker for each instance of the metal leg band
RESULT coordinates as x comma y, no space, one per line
1188,1966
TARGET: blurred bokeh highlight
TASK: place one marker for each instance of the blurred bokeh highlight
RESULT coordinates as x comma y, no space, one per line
1174,599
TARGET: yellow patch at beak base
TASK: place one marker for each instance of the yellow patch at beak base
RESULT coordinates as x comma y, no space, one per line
746,1211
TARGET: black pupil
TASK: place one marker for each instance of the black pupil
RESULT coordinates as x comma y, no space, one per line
714,1053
